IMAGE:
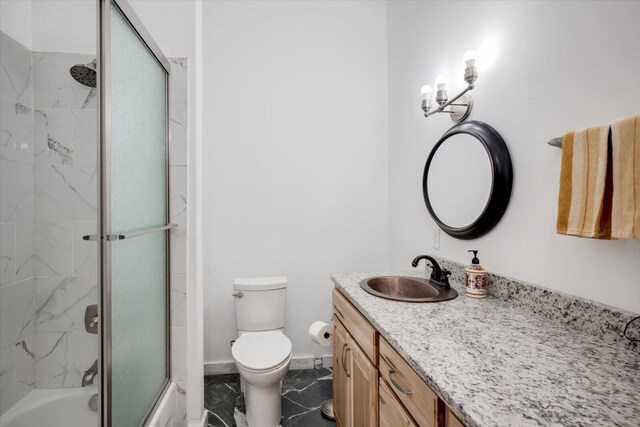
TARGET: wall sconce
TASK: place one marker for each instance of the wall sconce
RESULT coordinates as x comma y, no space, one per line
462,103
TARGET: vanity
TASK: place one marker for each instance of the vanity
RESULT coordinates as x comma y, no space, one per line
473,363
372,384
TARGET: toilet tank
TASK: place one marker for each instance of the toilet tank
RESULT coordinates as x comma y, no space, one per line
261,307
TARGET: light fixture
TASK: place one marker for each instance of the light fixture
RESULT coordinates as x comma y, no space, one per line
462,103
426,97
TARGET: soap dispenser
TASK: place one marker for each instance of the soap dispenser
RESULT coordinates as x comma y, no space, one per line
476,278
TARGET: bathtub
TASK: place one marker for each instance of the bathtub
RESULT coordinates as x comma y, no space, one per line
68,407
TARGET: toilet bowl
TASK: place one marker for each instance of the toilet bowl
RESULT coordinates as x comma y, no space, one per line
262,359
262,353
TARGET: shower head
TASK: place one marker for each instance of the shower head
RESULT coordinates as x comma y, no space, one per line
85,73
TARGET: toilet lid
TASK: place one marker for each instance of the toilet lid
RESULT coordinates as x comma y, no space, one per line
261,350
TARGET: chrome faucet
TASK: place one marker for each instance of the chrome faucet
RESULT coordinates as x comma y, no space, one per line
439,277
90,374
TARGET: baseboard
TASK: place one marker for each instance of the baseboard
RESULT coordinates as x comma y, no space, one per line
307,362
302,362
202,422
218,368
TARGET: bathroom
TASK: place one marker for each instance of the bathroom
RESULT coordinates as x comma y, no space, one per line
284,173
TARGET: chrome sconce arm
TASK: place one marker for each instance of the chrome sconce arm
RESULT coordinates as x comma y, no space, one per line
462,103
459,110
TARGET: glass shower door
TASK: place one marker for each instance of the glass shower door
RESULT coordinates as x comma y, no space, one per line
135,339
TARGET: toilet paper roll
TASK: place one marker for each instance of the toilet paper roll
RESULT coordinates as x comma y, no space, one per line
320,333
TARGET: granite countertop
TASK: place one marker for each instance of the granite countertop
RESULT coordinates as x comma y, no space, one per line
497,365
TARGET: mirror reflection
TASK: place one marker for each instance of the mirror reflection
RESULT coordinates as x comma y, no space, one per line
460,180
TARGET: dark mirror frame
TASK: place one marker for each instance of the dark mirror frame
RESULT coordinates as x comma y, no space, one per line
501,170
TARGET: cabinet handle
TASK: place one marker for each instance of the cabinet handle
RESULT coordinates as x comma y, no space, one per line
344,347
392,370
344,365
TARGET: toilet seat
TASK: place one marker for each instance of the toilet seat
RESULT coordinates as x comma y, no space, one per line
261,351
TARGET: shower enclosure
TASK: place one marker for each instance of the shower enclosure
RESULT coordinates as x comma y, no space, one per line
85,323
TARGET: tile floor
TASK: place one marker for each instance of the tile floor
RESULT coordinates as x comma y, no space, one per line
303,392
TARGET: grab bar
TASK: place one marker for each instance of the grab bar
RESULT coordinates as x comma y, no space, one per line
111,237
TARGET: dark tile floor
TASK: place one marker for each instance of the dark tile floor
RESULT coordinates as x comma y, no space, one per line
303,392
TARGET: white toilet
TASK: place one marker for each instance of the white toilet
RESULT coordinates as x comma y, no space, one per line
262,352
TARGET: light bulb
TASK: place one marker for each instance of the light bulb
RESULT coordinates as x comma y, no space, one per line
470,57
426,91
441,82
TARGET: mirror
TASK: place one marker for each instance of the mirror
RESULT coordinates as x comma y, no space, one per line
459,181
467,180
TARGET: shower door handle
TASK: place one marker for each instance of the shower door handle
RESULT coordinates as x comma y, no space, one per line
111,237
141,232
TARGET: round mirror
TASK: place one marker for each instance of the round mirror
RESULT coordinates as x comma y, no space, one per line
467,180
459,180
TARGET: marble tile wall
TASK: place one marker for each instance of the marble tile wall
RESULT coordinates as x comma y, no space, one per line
17,284
48,201
65,208
178,128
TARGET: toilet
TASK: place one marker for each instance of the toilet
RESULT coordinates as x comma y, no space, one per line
262,353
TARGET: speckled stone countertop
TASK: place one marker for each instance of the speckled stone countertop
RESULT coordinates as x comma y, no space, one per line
497,365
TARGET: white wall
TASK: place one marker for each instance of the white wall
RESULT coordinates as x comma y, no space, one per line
15,21
295,155
171,24
559,66
70,25
64,26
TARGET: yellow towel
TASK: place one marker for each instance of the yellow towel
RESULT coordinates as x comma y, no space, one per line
625,142
583,180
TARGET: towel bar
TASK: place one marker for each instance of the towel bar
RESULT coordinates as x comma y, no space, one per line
555,142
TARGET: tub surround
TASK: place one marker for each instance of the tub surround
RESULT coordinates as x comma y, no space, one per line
49,190
17,281
504,361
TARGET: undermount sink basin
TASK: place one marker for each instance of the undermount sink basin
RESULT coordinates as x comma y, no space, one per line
408,289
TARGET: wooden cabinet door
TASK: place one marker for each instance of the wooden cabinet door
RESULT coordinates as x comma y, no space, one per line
341,383
451,420
364,386
392,413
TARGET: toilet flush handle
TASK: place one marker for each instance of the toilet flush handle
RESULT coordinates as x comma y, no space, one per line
239,294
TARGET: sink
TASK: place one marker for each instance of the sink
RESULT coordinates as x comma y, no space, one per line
408,289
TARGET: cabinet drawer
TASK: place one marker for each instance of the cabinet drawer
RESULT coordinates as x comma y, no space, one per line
417,397
359,327
392,413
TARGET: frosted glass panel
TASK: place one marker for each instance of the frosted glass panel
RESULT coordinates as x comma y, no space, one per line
138,324
138,102
138,131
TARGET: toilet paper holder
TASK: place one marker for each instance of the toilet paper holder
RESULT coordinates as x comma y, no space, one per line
327,406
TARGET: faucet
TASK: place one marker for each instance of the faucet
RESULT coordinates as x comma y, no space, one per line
439,277
89,374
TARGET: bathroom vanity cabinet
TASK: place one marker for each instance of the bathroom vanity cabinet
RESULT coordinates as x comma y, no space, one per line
372,384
